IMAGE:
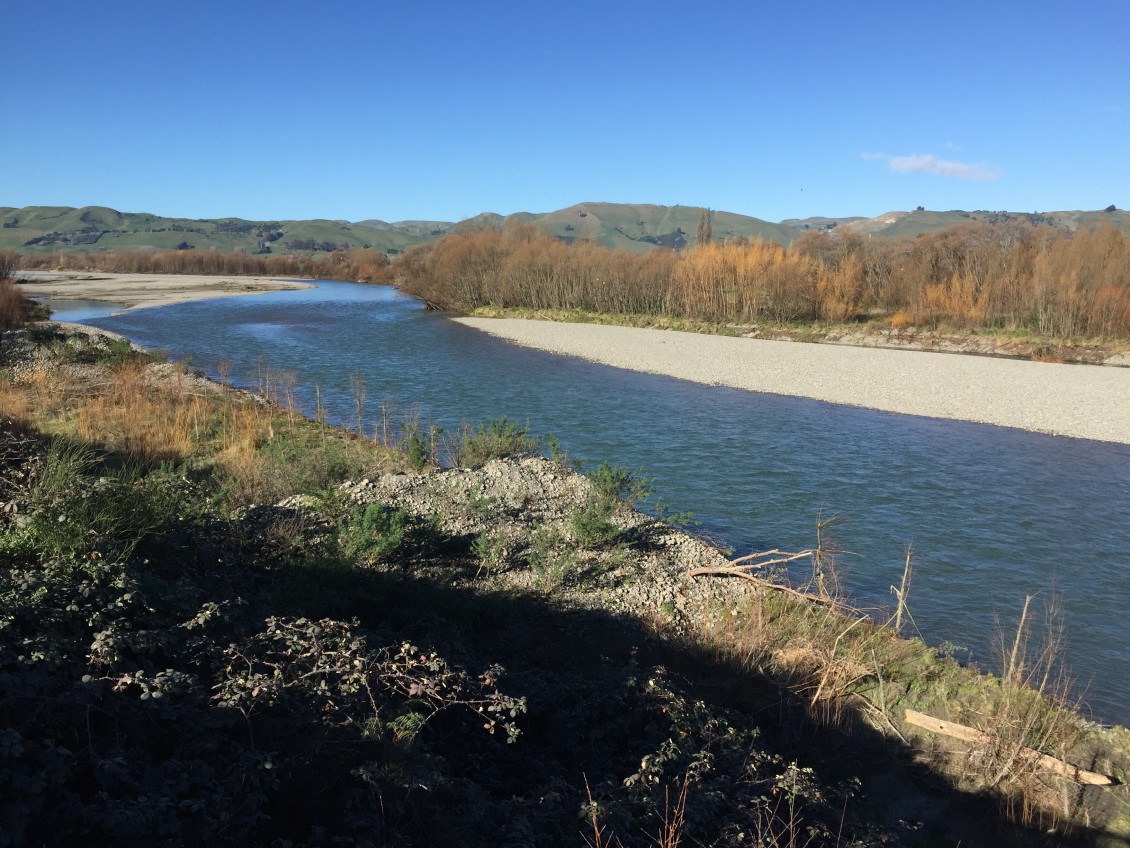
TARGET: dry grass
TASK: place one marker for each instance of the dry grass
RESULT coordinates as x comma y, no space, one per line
126,410
901,320
1034,709
158,414
838,662
808,639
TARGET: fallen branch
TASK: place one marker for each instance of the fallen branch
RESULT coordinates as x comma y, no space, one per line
743,572
969,734
783,558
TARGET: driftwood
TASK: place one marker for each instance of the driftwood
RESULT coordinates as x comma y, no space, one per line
969,734
741,567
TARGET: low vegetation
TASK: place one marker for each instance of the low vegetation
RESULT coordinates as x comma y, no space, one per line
206,639
494,439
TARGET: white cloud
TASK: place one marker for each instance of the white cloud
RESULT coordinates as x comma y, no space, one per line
926,163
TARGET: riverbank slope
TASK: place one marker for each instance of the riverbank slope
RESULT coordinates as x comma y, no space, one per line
369,646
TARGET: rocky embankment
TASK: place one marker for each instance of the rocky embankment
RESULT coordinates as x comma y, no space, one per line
637,568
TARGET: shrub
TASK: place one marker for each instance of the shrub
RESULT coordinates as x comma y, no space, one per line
118,352
375,534
42,335
592,524
16,309
617,483
549,559
495,547
495,439
415,446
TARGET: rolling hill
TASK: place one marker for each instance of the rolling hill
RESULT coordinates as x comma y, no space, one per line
45,229
635,227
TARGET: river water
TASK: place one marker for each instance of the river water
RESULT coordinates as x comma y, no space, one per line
992,514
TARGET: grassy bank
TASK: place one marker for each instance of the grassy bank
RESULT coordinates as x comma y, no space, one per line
205,638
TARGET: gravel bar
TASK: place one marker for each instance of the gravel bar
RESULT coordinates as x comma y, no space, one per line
1080,401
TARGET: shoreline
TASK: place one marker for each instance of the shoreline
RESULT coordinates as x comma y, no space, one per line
1078,401
142,291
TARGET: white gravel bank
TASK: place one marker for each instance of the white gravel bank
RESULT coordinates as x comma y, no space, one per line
1084,401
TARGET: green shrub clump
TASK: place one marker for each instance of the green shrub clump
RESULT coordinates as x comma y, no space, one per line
374,534
591,524
550,559
617,483
495,439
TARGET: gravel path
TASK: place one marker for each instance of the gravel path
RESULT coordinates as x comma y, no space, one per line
1083,401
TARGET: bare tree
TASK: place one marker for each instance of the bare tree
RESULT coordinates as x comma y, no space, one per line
357,392
705,233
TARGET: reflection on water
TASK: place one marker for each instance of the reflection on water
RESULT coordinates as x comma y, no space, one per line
80,310
993,514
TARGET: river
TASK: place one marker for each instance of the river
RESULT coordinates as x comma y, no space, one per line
992,514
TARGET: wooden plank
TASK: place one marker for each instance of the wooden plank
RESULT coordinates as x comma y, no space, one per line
969,734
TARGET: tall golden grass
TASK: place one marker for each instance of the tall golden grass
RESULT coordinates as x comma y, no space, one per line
126,410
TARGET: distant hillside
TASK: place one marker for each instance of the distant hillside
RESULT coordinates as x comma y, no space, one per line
46,229
635,227
913,224
818,222
641,227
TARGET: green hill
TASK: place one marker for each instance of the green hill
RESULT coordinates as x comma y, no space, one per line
635,227
639,227
913,224
46,229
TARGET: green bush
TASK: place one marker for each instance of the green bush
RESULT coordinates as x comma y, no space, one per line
415,446
375,534
494,548
550,560
615,482
42,335
118,352
592,524
495,439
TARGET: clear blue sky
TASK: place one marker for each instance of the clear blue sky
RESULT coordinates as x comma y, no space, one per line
441,110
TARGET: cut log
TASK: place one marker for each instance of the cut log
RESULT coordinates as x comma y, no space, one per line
970,734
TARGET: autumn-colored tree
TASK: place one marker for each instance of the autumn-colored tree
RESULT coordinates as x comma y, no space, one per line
1011,274
15,309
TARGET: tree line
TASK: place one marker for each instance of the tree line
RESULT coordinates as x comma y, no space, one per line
1007,275
1002,276
363,266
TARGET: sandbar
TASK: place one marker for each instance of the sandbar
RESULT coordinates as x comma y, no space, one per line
138,291
1080,401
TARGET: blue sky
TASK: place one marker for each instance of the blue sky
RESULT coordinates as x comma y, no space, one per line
441,110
